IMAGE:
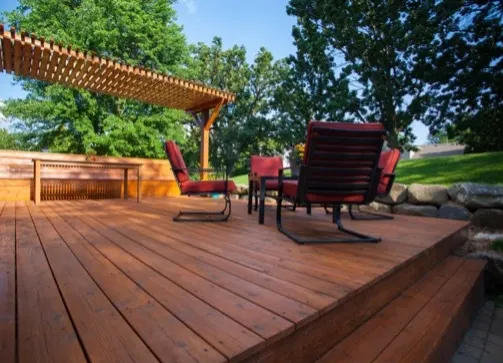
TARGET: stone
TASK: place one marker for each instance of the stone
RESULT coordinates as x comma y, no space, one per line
427,194
485,236
493,271
376,207
488,218
473,196
416,210
454,211
241,189
397,195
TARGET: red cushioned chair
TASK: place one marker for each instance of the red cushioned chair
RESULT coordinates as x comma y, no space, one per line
387,163
264,174
189,187
340,167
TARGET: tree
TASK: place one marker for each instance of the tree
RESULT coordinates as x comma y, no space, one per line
246,126
67,120
8,141
384,50
469,77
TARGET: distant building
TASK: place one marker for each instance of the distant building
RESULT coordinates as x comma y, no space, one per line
433,151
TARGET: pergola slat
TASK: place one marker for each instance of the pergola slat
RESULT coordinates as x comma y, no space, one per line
36,58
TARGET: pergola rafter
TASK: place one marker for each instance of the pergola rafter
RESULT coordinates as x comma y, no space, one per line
33,57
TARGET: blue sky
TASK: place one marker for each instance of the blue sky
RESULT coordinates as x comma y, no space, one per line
254,24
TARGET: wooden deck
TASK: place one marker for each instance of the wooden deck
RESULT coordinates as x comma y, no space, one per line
117,281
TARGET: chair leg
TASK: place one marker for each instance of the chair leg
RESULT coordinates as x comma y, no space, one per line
256,198
336,218
367,216
250,196
197,216
327,211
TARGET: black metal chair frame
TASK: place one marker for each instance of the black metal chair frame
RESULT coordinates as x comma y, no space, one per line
253,178
300,199
367,215
220,216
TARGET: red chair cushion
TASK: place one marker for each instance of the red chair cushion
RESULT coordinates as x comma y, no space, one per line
290,190
269,184
207,186
177,162
266,165
387,162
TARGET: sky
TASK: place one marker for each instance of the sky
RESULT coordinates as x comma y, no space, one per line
254,24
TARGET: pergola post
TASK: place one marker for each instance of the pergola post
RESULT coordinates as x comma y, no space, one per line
204,158
205,124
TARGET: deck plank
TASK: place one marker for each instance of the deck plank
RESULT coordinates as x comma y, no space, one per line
7,282
230,338
103,331
287,308
368,341
414,341
258,262
166,336
45,331
263,322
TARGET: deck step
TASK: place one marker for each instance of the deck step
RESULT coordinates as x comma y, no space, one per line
423,324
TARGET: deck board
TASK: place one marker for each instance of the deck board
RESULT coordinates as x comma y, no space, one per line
8,282
169,338
45,331
116,280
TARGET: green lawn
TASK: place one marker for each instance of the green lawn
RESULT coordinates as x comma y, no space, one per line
478,168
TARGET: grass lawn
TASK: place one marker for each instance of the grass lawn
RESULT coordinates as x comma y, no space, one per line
484,168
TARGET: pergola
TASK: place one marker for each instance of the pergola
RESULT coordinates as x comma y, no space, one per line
33,57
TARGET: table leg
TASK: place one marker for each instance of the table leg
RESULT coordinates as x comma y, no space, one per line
36,179
250,196
262,202
138,185
126,183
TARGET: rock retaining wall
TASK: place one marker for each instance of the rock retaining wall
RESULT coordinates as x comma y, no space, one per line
480,203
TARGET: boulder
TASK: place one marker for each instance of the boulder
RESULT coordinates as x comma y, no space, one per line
376,207
397,195
494,269
427,194
488,218
416,210
241,189
454,211
473,196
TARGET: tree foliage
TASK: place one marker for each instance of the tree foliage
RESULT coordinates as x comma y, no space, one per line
245,127
468,81
66,120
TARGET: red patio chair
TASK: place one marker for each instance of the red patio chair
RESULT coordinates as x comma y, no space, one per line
199,187
340,167
264,174
387,163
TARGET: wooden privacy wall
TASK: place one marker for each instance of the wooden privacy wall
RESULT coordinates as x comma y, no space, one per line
16,178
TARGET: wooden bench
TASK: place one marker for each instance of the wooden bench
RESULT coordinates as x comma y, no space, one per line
39,163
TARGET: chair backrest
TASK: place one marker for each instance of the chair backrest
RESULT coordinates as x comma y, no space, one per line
387,163
341,160
266,165
176,160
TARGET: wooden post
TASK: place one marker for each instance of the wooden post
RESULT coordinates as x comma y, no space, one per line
36,179
125,183
138,184
205,144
